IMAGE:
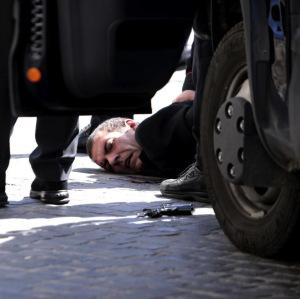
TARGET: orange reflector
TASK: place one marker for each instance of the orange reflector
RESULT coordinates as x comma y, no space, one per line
33,75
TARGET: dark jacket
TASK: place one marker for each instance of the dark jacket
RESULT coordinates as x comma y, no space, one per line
167,141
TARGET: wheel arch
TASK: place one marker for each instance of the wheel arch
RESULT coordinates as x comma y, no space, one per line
223,15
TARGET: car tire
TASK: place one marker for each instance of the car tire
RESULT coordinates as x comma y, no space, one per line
270,231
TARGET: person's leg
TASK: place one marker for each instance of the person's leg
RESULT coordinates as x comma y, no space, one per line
6,125
52,160
6,119
191,183
201,61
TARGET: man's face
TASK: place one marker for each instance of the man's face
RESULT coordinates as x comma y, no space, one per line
118,151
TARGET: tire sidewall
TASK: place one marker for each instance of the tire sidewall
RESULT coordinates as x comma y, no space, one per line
266,236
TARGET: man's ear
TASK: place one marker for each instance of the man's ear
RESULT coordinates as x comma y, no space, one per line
131,123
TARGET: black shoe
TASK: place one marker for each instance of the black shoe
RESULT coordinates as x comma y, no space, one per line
3,200
55,193
190,185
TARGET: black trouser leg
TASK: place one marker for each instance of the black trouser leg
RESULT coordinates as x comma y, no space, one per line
57,142
6,119
201,59
56,136
7,122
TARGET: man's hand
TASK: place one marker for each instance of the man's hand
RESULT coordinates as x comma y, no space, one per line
187,95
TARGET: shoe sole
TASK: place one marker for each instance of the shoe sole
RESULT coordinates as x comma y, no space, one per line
195,196
59,197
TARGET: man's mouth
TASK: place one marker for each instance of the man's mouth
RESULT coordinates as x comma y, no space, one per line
128,161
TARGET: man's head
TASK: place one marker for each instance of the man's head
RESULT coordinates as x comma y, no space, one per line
112,146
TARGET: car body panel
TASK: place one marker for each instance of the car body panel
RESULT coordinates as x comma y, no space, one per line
94,56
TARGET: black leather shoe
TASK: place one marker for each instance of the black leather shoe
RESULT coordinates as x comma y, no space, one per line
3,200
55,193
190,185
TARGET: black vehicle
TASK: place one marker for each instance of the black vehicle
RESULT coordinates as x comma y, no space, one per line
73,56
250,144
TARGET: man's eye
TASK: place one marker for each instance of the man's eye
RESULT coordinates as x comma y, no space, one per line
109,145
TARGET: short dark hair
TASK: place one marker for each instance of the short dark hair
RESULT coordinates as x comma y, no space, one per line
114,124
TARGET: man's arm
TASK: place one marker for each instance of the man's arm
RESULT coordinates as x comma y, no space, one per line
188,87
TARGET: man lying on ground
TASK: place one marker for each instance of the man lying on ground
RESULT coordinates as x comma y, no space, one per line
161,145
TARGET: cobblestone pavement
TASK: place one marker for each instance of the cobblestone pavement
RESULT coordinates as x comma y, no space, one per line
97,247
